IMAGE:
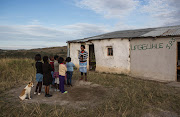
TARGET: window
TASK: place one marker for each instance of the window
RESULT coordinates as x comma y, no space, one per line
110,51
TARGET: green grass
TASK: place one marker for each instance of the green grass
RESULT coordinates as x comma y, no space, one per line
130,97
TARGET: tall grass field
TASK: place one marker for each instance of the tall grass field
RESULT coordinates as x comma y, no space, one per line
15,72
129,97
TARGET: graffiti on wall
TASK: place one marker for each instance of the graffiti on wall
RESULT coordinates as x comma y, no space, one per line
154,46
170,44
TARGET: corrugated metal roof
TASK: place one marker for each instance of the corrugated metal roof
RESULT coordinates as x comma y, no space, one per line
149,32
155,33
172,32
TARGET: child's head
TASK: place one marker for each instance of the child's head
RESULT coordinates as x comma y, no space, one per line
56,57
61,60
45,59
51,58
68,59
82,47
37,57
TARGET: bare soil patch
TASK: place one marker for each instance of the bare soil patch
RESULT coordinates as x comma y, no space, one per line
81,96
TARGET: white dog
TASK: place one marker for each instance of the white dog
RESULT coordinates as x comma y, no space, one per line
26,91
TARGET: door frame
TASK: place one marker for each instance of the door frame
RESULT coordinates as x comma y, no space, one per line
177,51
176,61
90,58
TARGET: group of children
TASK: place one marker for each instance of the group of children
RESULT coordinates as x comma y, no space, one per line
53,72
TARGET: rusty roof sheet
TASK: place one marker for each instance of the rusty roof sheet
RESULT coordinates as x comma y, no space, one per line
138,33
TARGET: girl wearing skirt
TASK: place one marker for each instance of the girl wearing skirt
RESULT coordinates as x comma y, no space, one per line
83,55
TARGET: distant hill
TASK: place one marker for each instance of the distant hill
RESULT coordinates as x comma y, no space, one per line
60,51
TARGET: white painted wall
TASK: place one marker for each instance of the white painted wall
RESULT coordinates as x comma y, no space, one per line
157,63
119,62
74,48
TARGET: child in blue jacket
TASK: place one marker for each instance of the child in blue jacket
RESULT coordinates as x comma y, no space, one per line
70,69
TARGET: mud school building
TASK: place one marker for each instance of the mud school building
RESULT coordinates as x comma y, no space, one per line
152,53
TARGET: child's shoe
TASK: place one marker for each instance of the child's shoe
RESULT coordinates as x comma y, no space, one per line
65,92
39,93
55,89
35,93
58,90
48,95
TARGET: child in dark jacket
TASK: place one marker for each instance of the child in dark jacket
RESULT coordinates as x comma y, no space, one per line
52,65
47,77
39,74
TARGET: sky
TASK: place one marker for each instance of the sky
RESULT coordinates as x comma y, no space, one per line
27,24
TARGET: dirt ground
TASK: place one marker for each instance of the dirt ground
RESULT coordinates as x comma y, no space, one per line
84,95
80,96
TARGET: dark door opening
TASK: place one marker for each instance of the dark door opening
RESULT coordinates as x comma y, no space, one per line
178,61
92,58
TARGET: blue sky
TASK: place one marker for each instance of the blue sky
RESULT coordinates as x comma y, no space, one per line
26,24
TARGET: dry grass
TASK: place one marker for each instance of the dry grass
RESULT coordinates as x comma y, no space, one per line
15,71
130,97
134,97
60,51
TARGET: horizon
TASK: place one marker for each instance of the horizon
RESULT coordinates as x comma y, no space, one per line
43,24
33,48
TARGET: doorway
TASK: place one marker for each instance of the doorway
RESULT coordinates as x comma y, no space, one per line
178,61
92,58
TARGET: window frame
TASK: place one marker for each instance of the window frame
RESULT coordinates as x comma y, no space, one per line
110,50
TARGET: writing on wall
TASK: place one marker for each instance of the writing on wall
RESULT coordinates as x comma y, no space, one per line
154,45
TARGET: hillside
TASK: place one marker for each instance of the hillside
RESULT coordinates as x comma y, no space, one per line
61,51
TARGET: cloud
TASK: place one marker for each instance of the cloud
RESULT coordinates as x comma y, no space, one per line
136,13
32,32
109,8
82,30
35,22
129,14
37,36
162,12
176,14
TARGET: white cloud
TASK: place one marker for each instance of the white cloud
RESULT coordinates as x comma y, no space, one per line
162,12
35,22
147,13
36,36
131,14
109,8
31,32
82,30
